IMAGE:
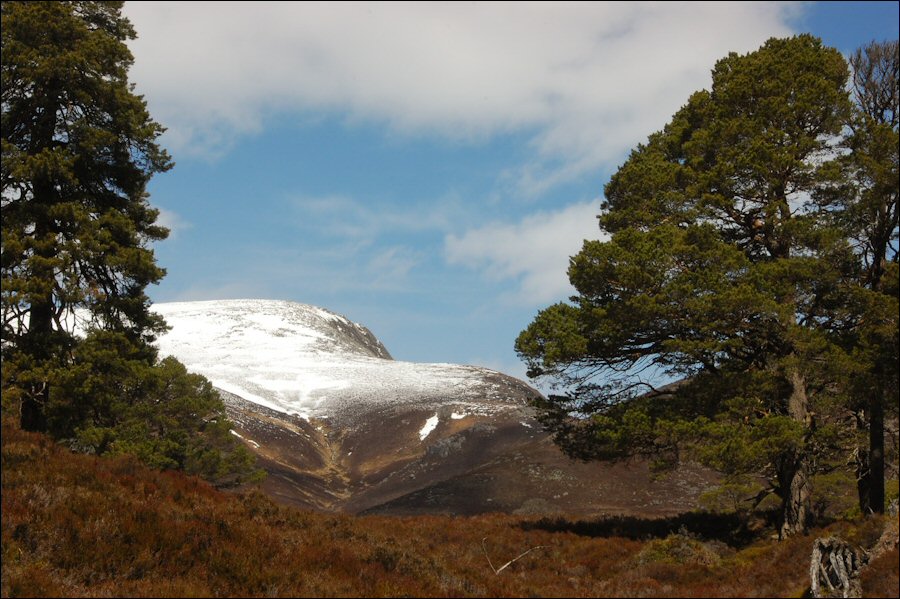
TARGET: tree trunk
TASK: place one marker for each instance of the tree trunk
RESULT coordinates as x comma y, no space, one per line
870,461
793,468
874,495
31,417
863,480
876,453
38,339
795,492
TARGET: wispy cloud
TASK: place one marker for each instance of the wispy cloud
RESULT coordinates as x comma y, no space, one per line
392,265
345,217
173,221
589,80
341,269
215,289
534,251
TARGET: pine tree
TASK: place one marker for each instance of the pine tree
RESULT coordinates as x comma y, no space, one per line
722,273
866,202
78,150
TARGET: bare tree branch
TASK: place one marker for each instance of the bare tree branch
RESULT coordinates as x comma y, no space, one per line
504,566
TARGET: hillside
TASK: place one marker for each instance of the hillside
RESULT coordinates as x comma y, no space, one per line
76,525
341,426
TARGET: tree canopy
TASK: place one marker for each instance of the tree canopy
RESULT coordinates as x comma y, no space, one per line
727,274
78,150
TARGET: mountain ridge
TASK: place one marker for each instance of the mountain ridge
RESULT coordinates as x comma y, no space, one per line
304,360
339,425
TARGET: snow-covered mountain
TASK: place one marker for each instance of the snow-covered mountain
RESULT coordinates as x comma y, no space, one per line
306,361
339,425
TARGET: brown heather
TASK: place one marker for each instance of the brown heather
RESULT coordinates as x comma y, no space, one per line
76,525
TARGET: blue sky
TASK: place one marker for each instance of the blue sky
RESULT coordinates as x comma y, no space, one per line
423,169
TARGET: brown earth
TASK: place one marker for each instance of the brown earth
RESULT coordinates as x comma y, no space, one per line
500,462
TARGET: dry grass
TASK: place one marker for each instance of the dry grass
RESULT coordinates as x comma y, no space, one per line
77,525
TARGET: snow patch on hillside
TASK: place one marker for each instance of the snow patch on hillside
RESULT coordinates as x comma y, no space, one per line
430,425
239,436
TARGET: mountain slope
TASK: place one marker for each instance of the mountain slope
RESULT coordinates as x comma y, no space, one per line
302,360
339,425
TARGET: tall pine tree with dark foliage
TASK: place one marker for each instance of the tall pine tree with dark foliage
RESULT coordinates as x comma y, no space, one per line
79,148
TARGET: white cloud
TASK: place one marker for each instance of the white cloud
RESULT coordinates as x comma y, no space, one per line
589,80
318,275
535,251
173,221
391,266
335,269
214,290
344,217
